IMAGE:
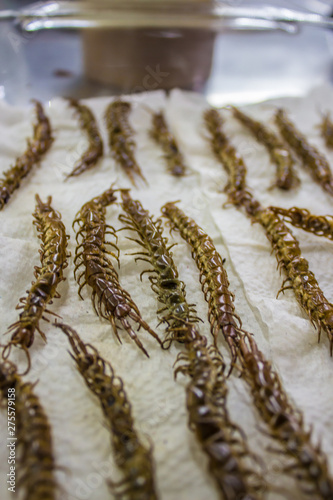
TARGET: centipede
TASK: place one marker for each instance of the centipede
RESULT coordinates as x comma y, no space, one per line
311,158
213,278
35,462
226,154
36,148
326,128
121,140
110,300
94,152
284,421
320,225
280,155
53,257
162,135
163,273
231,463
132,456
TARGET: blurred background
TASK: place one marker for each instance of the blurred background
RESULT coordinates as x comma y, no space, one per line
237,64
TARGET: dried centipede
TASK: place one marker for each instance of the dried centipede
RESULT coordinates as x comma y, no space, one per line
326,128
35,464
319,225
109,299
285,423
164,275
121,139
213,278
230,460
311,158
54,255
40,143
163,137
94,152
285,175
226,154
131,455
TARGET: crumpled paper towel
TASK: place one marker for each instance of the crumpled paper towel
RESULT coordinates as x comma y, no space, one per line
81,439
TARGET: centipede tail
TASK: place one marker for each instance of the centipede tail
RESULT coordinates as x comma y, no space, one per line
164,138
319,225
35,462
94,151
49,275
286,177
36,148
231,462
133,458
121,139
109,299
312,159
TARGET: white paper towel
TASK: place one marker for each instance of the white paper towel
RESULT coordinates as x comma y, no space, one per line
282,330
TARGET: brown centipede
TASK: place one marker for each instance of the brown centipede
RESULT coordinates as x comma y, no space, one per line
213,278
53,258
326,128
109,299
35,463
286,426
121,139
226,154
311,158
165,139
279,154
131,455
94,152
230,460
302,218
37,147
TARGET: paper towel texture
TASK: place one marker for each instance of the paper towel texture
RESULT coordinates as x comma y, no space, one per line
81,439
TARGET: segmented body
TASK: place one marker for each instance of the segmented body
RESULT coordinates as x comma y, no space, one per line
326,128
161,134
213,278
226,154
54,255
121,138
35,461
94,152
37,146
230,460
314,161
280,155
301,217
285,422
164,275
300,278
110,300
131,455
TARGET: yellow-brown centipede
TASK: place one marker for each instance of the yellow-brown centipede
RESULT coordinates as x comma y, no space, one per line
285,422
48,276
163,137
311,158
94,152
319,225
131,455
279,153
326,129
109,299
41,142
226,154
230,460
121,138
36,464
